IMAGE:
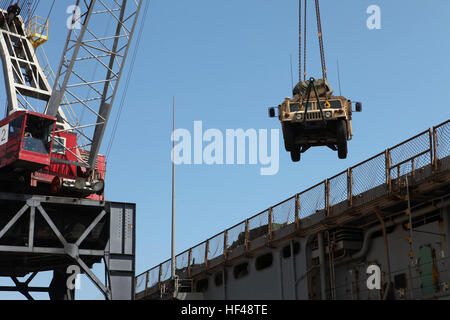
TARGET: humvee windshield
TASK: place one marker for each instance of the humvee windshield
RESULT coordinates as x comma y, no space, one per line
334,104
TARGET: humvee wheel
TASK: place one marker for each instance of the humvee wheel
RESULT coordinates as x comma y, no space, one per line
295,156
288,138
342,139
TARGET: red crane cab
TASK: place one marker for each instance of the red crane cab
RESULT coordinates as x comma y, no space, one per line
36,157
26,142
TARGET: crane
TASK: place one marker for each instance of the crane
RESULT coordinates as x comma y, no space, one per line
314,116
51,137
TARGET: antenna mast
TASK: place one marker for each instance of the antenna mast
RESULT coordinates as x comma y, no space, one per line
173,198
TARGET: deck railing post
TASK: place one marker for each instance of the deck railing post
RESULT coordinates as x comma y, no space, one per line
435,147
297,211
189,263
430,133
246,241
147,279
135,286
269,225
225,245
350,187
388,171
206,253
159,276
327,196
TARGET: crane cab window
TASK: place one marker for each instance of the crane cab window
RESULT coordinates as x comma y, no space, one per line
59,145
38,134
15,127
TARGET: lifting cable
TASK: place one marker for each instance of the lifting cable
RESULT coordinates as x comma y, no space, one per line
305,38
300,41
51,9
130,72
320,36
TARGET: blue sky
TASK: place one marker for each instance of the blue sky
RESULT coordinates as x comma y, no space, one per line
226,62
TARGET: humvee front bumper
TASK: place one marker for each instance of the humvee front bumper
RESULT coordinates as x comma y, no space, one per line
328,115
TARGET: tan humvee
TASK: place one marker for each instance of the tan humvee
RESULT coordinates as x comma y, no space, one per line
326,121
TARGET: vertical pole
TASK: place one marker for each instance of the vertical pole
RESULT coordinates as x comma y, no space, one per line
327,196
173,196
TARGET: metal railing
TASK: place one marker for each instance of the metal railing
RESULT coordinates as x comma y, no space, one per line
379,174
38,31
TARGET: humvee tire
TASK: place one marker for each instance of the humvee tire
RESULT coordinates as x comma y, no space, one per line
296,155
342,139
288,138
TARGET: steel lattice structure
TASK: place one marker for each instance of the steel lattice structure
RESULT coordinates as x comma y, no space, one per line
90,69
23,74
40,233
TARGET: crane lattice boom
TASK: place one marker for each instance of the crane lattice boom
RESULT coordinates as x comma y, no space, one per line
51,137
90,69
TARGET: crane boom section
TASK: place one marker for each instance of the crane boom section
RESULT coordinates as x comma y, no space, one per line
91,68
23,75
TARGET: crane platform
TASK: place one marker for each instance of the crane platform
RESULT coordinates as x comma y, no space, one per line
42,233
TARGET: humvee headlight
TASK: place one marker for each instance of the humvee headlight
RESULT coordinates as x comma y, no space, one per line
299,116
328,114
